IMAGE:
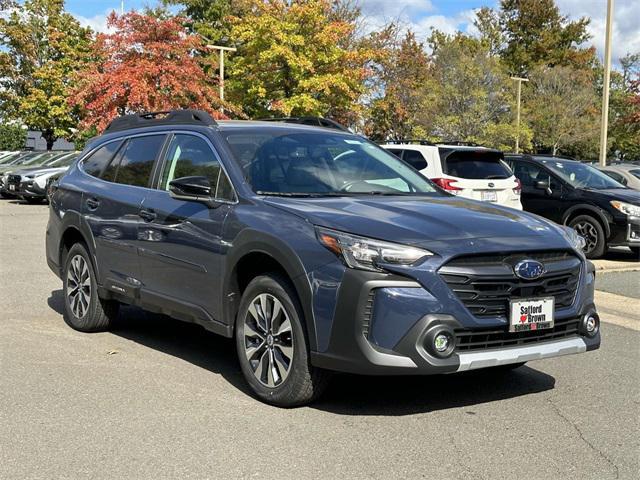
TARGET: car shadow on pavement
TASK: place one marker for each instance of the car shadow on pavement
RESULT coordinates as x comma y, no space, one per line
184,340
346,394
396,396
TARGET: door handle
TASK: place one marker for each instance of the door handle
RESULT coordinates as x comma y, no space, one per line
147,215
92,203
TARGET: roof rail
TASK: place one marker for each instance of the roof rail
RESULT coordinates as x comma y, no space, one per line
308,120
460,143
403,141
169,117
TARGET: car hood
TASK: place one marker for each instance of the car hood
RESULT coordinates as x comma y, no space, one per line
420,220
39,170
623,194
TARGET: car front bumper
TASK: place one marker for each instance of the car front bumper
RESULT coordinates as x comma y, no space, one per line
625,232
381,324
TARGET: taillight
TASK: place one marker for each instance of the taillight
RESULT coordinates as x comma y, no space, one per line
447,184
518,188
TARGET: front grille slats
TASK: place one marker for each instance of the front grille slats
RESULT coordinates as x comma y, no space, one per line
485,284
479,340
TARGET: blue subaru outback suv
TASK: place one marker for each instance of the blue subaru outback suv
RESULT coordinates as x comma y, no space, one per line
315,249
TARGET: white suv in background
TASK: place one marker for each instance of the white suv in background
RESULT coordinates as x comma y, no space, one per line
473,172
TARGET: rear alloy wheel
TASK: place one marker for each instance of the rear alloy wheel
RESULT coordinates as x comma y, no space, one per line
272,345
592,232
83,309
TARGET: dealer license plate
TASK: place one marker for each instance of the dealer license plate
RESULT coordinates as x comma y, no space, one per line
489,196
529,314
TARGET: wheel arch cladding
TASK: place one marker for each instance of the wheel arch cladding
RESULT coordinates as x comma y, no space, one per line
591,211
74,230
255,254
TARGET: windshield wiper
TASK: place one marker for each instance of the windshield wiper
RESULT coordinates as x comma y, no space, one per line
302,194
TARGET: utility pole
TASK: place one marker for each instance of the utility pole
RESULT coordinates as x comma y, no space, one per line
519,80
121,7
222,50
604,123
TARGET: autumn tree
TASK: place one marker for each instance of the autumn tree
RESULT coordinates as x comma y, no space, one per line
41,46
292,60
624,109
146,64
395,112
562,107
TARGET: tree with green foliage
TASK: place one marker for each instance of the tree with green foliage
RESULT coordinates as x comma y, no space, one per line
13,136
292,60
470,96
41,46
405,74
562,107
528,33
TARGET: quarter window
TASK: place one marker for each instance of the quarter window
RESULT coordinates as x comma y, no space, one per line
95,163
415,159
191,156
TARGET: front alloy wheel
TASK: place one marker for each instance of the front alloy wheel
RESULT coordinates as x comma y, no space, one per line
268,340
272,343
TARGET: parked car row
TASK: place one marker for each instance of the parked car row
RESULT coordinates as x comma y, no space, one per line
602,205
25,174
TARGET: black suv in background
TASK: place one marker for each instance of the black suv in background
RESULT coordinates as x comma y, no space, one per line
604,212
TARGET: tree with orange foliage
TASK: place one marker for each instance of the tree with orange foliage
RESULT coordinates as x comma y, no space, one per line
146,64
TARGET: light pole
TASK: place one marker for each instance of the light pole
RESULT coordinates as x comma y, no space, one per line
519,80
604,123
222,50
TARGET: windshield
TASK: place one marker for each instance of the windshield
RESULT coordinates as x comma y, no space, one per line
580,175
60,160
635,173
309,163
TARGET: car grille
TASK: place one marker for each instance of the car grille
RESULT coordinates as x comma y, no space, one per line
486,283
467,340
13,179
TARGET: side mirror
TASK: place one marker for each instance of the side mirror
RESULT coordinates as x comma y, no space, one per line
195,189
544,185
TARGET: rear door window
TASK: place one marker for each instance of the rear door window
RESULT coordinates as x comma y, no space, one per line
134,165
474,164
415,159
95,163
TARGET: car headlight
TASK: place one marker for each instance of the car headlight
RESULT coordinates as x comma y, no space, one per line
366,253
577,241
626,208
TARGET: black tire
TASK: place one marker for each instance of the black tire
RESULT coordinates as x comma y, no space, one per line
593,233
301,383
32,200
94,315
636,252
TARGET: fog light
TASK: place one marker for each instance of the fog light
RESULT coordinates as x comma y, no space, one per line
590,324
441,342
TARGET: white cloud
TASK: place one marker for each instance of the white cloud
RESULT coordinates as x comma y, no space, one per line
626,28
98,22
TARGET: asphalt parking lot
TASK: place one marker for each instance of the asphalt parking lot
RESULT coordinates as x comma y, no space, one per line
157,398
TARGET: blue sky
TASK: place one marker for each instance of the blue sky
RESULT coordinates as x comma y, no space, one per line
424,15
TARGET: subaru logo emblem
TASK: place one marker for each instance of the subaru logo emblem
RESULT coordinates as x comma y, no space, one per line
491,185
529,269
